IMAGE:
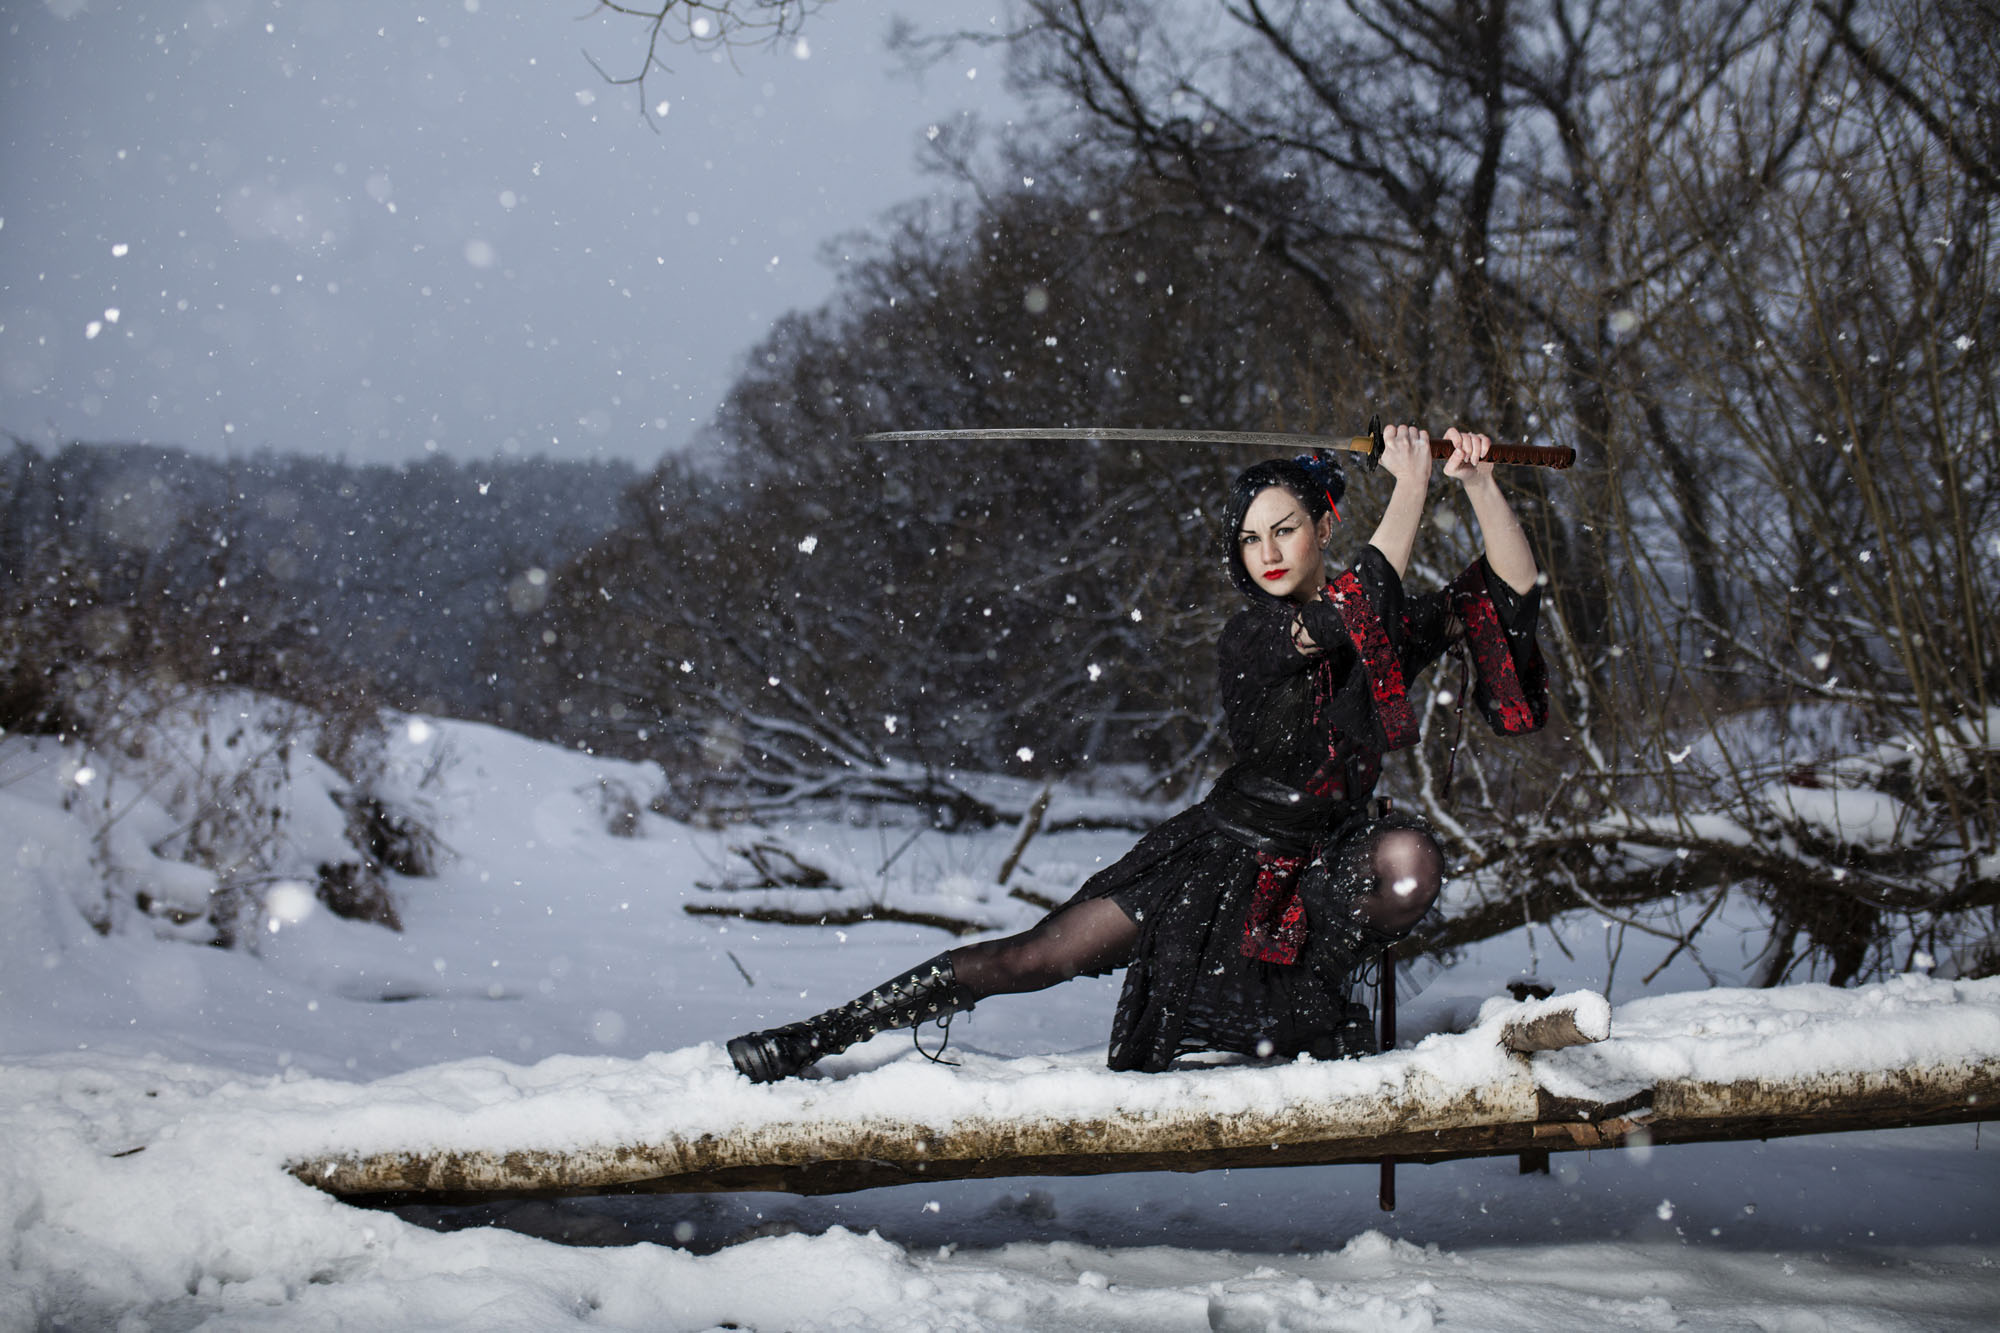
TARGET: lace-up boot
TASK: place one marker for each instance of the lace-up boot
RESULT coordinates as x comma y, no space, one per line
928,991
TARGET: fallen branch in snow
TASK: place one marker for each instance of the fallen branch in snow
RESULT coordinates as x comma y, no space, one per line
1502,1119
1455,1096
772,866
845,916
1033,899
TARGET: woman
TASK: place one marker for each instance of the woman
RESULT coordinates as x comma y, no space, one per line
1242,921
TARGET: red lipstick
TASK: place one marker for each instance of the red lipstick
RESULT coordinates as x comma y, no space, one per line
1276,573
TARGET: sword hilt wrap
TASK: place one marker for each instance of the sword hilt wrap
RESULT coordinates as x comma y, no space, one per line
1531,455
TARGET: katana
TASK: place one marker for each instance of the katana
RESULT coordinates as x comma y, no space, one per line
1369,446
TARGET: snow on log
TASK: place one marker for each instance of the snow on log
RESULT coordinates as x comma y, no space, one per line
816,1156
1709,1065
1554,1024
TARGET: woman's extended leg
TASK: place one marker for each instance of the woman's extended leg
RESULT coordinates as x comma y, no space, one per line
1086,938
1092,936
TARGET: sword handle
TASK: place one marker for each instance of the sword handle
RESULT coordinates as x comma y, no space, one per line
1557,456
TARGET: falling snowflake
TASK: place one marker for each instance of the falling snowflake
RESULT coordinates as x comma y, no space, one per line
809,545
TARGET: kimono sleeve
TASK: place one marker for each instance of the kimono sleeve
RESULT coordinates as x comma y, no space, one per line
1369,603
1511,680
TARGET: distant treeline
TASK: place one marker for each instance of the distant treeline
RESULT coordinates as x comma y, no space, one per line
312,578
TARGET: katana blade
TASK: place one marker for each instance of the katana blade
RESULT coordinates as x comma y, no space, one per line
1360,444
1370,445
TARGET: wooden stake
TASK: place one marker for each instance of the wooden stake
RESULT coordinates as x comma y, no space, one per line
1387,990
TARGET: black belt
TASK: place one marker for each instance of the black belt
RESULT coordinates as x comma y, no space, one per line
1265,815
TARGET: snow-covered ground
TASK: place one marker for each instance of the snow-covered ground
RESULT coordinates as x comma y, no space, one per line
548,978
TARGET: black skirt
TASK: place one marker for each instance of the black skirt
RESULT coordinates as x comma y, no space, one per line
1190,986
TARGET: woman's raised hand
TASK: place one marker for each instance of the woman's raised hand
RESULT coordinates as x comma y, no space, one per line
1406,453
1469,463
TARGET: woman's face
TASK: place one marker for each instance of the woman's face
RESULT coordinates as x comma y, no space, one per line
1280,545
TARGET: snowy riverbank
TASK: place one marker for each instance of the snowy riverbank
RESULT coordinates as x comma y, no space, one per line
548,988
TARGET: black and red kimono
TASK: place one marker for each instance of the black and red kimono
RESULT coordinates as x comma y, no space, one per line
1226,958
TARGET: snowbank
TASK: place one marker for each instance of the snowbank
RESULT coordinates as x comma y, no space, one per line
549,989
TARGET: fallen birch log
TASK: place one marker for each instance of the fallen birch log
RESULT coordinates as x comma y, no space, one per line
1500,1120
1398,1106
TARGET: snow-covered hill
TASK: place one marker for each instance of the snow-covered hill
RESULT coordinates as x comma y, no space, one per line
548,982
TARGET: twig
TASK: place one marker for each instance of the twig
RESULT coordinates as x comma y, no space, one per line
883,869
851,916
1031,823
1688,941
1033,899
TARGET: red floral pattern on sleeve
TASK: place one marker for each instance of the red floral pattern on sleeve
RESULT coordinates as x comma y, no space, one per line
1512,692
1379,659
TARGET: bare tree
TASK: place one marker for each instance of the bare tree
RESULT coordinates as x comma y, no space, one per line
701,26
1741,253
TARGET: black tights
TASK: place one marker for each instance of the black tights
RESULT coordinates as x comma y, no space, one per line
1088,937
1398,871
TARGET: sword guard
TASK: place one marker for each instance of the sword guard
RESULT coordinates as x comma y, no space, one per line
1374,456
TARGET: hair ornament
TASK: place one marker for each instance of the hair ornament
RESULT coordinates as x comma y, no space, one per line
1327,477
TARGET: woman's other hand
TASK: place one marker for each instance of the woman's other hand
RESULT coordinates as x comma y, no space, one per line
1469,463
1507,551
1406,454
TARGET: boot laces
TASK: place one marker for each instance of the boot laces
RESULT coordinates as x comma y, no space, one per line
944,1027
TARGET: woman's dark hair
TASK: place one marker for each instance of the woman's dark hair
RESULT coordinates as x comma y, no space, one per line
1315,481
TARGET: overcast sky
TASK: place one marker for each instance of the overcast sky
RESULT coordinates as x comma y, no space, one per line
368,228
